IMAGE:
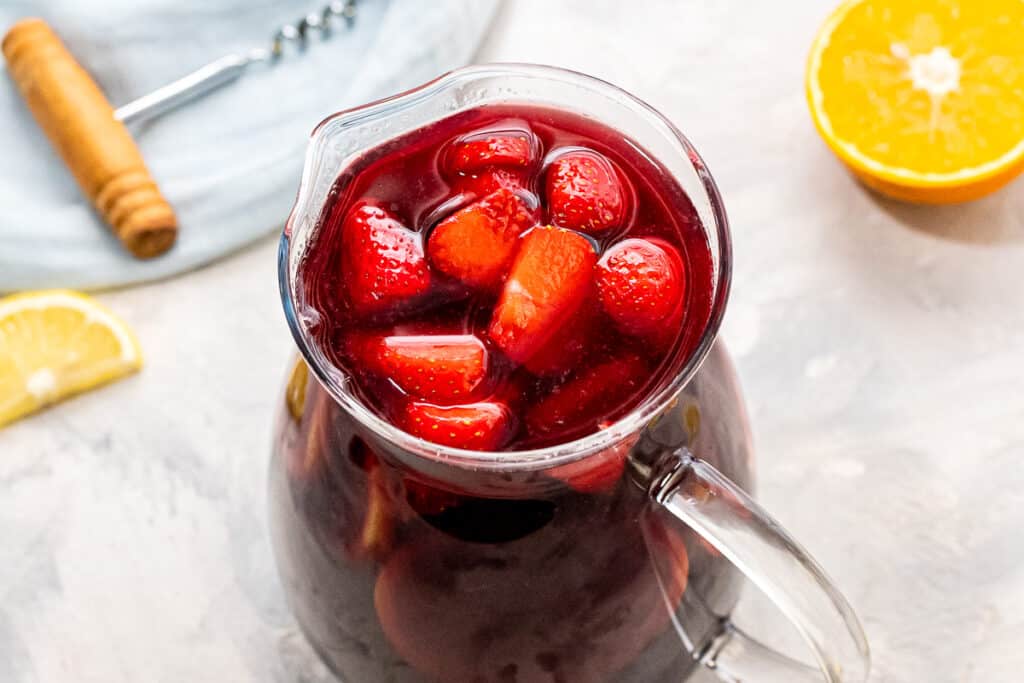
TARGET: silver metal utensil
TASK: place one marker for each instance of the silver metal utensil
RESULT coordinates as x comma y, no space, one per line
230,68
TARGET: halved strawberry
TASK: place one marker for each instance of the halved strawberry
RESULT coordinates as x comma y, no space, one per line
586,193
382,261
551,277
482,426
641,284
510,148
476,244
439,367
600,393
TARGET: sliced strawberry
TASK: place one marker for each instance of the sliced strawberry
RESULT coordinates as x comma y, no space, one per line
476,244
515,149
427,499
566,347
600,393
439,367
480,426
382,260
600,477
586,193
641,284
597,473
551,277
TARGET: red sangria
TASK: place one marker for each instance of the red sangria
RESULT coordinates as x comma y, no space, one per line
506,314
507,278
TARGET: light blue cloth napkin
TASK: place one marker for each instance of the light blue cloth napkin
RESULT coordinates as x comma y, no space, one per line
230,162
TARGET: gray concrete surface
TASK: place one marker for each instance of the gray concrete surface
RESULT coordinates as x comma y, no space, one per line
881,348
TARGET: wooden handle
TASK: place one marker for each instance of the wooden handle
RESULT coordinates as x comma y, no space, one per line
99,150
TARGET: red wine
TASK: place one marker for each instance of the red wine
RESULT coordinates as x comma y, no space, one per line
506,278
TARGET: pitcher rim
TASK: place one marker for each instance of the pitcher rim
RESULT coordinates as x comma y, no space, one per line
577,449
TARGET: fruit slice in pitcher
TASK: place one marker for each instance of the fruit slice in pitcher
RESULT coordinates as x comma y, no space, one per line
295,390
512,146
382,260
476,244
489,181
308,459
592,398
569,345
598,473
482,426
641,285
427,499
439,367
551,278
585,192
378,521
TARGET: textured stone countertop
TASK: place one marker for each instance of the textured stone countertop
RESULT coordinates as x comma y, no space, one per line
881,348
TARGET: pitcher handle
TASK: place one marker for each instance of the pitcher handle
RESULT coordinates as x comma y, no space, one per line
731,521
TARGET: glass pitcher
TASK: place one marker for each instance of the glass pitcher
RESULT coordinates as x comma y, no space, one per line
409,562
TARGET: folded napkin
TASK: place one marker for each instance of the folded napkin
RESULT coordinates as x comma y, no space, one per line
229,162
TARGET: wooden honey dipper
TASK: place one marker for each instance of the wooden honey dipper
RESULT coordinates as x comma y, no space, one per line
91,136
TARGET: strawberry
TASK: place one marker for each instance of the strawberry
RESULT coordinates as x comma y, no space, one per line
600,477
488,181
439,367
641,285
550,279
480,426
585,192
382,261
566,347
596,473
596,395
428,500
515,149
476,244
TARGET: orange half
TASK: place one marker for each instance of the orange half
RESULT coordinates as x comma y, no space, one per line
923,99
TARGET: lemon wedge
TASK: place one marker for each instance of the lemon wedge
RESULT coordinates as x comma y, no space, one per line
55,344
923,99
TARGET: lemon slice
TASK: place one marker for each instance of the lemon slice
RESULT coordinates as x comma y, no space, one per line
923,99
55,344
295,390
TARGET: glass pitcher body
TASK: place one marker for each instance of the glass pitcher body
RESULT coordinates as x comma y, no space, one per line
399,573
614,557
